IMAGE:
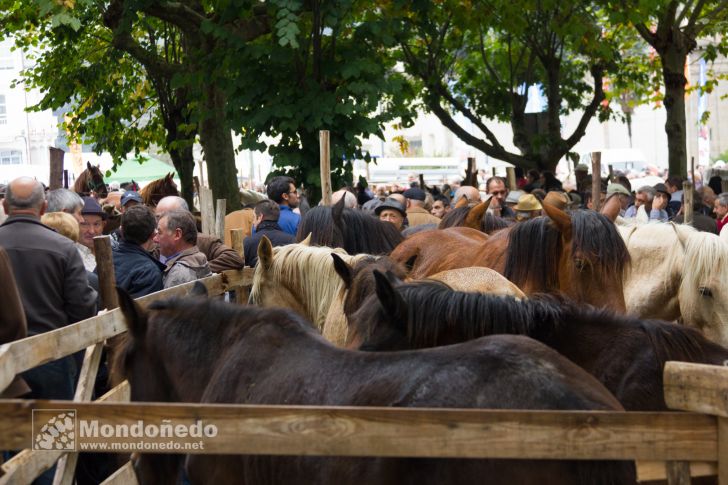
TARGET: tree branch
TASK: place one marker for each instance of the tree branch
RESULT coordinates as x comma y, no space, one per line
597,73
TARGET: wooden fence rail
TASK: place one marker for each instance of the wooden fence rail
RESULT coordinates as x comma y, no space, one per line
686,442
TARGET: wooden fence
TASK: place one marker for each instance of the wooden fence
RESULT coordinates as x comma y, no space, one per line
666,445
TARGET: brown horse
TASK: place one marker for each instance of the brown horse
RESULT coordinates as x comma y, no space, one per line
625,354
91,182
158,189
200,350
580,255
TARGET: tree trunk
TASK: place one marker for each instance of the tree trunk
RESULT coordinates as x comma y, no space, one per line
673,71
184,163
217,144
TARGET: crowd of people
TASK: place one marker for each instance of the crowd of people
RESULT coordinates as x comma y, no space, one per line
47,240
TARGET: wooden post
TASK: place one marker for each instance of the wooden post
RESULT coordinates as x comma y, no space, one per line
596,180
493,170
678,472
207,210
325,161
202,174
220,219
65,179
722,451
687,202
692,170
237,236
422,181
56,175
511,178
611,173
105,269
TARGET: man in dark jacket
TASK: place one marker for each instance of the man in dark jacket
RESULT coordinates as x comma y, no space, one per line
51,281
136,270
267,213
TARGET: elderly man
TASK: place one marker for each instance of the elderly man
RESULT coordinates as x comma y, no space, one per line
64,200
219,256
349,198
51,281
472,195
645,197
496,188
417,215
392,211
91,226
177,240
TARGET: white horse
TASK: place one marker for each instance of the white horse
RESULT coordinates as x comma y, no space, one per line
677,273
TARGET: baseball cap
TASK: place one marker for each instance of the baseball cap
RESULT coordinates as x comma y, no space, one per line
129,196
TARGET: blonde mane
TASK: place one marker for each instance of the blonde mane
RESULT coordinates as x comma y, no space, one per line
307,272
706,262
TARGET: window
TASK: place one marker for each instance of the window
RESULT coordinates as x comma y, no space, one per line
11,157
3,111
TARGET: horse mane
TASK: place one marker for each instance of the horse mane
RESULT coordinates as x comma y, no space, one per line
362,279
454,218
432,306
195,320
529,256
156,190
359,232
705,254
308,271
595,237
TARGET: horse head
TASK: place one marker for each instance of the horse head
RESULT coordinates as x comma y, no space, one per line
95,181
703,293
593,258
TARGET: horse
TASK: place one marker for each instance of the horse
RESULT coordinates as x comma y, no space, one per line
201,350
678,273
158,189
475,217
302,278
91,182
352,230
359,282
624,353
579,254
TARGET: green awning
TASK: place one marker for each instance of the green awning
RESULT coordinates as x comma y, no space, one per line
149,169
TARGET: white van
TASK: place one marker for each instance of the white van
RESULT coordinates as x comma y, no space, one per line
625,160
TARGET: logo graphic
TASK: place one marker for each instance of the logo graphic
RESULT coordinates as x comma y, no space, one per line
54,429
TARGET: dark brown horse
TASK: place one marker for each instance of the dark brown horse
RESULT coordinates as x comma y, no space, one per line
200,350
91,182
580,255
158,189
352,230
625,354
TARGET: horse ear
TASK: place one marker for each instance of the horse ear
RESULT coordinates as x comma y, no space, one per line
611,208
198,289
136,317
392,302
463,202
393,278
343,269
337,210
88,165
265,253
560,218
307,241
474,219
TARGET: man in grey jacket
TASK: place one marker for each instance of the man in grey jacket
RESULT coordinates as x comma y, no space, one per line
51,281
177,240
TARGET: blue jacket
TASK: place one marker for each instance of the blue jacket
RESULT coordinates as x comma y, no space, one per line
288,220
137,272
